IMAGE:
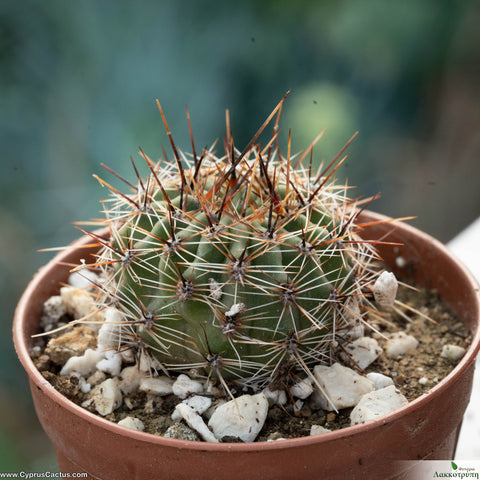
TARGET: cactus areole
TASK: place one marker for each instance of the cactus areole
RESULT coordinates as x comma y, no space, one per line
245,266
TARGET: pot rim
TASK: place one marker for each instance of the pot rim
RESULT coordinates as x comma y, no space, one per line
49,390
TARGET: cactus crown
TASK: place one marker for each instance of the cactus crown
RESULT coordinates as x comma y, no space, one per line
247,266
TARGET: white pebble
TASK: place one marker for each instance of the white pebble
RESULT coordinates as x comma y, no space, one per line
85,387
385,289
184,386
106,397
156,385
341,387
318,430
375,404
356,330
96,378
195,421
275,397
83,279
423,381
363,351
109,335
112,363
128,355
133,423
130,379
400,343
198,403
242,417
82,365
298,405
380,380
79,302
452,352
54,308
302,389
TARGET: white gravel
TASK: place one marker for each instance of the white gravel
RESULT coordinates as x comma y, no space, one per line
184,386
82,365
341,387
363,351
133,423
385,289
105,397
375,404
399,343
452,352
242,418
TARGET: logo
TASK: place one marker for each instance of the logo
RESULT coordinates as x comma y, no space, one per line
437,469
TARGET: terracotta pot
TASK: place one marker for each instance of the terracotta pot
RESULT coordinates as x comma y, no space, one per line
426,428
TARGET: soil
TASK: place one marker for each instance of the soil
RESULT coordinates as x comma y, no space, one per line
413,373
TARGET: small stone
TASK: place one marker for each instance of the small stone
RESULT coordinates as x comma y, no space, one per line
341,387
106,397
128,355
273,437
83,365
318,430
198,403
195,421
133,423
400,343
184,386
161,386
53,310
362,352
356,330
380,380
83,279
275,397
79,303
375,404
130,378
452,352
85,387
42,362
242,417
112,363
302,389
71,344
96,377
109,334
385,289
297,406
181,431
331,416
423,381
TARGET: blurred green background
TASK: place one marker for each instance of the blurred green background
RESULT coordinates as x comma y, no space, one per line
78,83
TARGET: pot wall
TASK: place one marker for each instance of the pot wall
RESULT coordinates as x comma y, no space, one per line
427,428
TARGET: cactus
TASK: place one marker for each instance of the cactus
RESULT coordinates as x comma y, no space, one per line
247,267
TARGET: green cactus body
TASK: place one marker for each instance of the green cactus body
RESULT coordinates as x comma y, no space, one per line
242,266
